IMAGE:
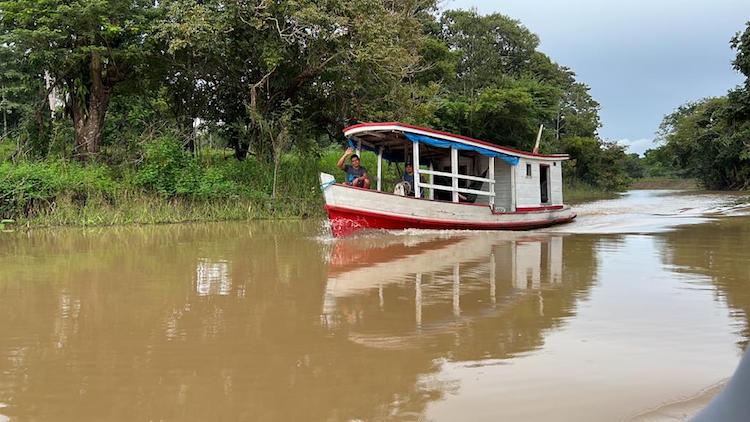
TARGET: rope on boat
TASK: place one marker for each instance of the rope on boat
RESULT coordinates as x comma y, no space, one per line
325,185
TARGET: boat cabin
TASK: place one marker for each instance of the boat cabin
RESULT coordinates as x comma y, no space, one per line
459,169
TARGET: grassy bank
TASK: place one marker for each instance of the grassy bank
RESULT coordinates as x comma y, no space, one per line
168,186
151,209
576,193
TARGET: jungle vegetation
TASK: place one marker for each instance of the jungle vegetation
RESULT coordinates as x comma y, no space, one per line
178,104
709,139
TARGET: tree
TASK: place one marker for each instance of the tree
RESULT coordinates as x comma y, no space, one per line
88,47
337,60
741,43
709,143
658,162
507,115
634,166
15,90
491,47
504,89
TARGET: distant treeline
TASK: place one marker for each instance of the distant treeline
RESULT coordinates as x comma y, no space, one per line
114,83
709,139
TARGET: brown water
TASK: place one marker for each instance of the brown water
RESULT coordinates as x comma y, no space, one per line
643,301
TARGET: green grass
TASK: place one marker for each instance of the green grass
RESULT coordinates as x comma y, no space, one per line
664,183
153,209
168,187
579,192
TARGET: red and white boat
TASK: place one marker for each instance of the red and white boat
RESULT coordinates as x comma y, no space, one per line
459,183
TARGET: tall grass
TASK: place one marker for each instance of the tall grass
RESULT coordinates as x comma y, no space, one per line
169,186
151,209
578,192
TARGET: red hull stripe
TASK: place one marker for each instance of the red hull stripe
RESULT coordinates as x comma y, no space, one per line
345,221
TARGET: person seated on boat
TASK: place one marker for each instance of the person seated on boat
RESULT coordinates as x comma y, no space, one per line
356,174
408,177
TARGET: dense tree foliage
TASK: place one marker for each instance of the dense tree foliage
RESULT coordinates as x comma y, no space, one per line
710,139
121,83
86,48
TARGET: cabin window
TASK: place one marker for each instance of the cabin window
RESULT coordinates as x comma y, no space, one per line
528,170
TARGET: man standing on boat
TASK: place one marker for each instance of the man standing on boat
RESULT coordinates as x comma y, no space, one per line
356,174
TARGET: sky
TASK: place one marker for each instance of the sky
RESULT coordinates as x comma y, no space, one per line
642,59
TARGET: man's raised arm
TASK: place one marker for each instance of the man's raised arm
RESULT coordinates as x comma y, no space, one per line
349,151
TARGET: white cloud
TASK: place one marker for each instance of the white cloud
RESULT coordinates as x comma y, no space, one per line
638,146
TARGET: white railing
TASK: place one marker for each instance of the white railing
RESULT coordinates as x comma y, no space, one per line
455,177
459,190
459,176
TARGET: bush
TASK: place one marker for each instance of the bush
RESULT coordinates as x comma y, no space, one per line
166,167
27,186
170,171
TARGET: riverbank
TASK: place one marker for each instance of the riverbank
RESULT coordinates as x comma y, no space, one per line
577,193
173,186
168,186
151,209
681,410
664,183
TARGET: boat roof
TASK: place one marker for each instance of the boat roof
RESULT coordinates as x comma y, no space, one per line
388,134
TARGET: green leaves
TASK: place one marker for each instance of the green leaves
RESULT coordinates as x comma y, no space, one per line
708,139
741,43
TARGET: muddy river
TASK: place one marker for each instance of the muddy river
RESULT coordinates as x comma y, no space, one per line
636,311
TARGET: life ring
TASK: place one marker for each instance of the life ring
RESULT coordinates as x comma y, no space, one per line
402,188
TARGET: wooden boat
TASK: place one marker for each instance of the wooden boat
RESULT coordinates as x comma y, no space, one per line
459,183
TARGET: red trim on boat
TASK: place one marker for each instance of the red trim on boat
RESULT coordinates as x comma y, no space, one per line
465,138
345,221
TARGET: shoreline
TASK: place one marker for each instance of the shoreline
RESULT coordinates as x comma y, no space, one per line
681,409
657,183
145,210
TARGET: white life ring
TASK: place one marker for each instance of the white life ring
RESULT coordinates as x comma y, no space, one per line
402,188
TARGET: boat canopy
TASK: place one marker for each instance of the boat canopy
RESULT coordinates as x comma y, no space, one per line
440,143
390,138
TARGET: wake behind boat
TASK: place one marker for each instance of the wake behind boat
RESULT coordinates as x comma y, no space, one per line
470,184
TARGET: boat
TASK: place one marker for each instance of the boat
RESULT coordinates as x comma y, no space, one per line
460,183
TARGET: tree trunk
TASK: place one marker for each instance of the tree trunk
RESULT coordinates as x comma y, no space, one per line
88,112
235,141
5,115
240,150
275,173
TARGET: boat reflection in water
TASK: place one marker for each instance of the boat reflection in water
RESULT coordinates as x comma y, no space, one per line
477,296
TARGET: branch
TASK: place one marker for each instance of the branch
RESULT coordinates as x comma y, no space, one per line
254,88
308,74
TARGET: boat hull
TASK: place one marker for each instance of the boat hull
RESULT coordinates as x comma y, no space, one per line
353,209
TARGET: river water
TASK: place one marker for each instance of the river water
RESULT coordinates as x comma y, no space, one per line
638,306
